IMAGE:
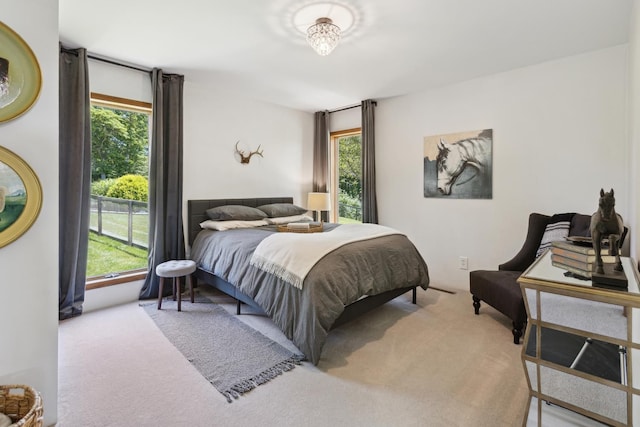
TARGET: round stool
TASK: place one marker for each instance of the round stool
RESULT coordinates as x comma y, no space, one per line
175,269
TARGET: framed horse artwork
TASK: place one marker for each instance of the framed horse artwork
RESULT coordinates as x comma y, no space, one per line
459,165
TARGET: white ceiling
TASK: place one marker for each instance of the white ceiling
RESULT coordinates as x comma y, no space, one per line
394,46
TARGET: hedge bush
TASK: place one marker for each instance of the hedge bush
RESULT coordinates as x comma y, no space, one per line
101,188
131,187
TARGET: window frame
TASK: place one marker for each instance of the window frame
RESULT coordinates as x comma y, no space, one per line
108,101
334,214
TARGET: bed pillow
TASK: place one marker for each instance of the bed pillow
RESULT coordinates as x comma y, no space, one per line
235,213
288,219
277,210
231,224
557,229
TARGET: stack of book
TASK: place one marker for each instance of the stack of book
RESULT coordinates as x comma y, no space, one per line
577,259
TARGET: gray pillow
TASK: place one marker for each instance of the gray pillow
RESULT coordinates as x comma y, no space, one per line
277,210
235,212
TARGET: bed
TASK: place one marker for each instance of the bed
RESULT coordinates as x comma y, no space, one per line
343,284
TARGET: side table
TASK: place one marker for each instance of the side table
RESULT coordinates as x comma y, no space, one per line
581,342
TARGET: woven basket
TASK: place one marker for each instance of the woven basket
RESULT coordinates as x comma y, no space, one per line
313,228
22,404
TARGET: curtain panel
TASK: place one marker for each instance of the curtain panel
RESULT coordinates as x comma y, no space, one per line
74,159
321,155
166,234
369,200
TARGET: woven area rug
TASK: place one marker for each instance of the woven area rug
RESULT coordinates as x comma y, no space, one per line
231,355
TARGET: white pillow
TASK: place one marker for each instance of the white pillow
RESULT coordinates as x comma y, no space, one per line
230,225
553,232
288,219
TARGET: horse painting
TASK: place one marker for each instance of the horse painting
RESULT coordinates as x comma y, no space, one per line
605,222
452,159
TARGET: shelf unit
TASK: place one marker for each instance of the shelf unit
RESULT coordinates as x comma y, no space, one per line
580,344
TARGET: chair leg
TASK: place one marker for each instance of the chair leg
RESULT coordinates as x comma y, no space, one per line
179,292
517,332
160,293
190,280
174,289
476,304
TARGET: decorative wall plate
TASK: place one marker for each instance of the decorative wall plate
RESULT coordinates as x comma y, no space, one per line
20,76
20,197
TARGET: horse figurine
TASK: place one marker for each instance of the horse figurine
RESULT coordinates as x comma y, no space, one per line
453,158
605,222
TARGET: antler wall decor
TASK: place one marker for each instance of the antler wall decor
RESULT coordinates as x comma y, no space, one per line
244,158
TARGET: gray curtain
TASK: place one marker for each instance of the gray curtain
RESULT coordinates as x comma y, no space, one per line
74,158
166,236
321,155
369,202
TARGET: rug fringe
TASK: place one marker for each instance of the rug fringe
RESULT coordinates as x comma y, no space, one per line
238,389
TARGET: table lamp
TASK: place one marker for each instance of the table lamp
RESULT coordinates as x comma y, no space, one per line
319,202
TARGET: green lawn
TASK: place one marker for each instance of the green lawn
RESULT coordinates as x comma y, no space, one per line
107,255
117,224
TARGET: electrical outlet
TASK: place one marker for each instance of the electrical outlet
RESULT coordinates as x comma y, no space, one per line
463,263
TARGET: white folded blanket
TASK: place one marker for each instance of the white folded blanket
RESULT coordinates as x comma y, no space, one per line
291,256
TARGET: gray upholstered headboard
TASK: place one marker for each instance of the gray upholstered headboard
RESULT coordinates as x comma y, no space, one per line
197,209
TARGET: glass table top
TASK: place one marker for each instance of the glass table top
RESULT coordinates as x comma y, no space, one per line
543,270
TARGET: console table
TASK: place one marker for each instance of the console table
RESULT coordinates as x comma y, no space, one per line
579,346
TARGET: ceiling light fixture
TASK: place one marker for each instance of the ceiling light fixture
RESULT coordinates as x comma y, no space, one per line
323,36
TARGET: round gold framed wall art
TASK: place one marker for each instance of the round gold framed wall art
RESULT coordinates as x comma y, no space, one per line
20,196
20,76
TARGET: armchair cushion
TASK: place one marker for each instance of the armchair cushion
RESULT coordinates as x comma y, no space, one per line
501,290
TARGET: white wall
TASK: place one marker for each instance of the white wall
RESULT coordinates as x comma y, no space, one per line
29,265
559,136
346,119
122,82
214,121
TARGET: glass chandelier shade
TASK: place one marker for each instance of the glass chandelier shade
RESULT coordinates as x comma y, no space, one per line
323,36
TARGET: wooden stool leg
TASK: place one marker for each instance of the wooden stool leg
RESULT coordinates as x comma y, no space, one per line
190,279
174,289
178,291
160,293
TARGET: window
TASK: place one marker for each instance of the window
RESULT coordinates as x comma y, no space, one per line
119,216
346,176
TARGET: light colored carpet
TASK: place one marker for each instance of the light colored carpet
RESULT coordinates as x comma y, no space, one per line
234,357
430,364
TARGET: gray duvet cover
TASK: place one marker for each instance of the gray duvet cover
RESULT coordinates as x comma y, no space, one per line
367,267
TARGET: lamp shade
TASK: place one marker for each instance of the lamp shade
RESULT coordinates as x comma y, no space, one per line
319,202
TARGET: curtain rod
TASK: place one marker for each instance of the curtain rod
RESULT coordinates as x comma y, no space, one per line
107,60
345,108
120,64
349,108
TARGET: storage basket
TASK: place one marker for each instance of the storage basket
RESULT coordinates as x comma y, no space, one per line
313,228
22,404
